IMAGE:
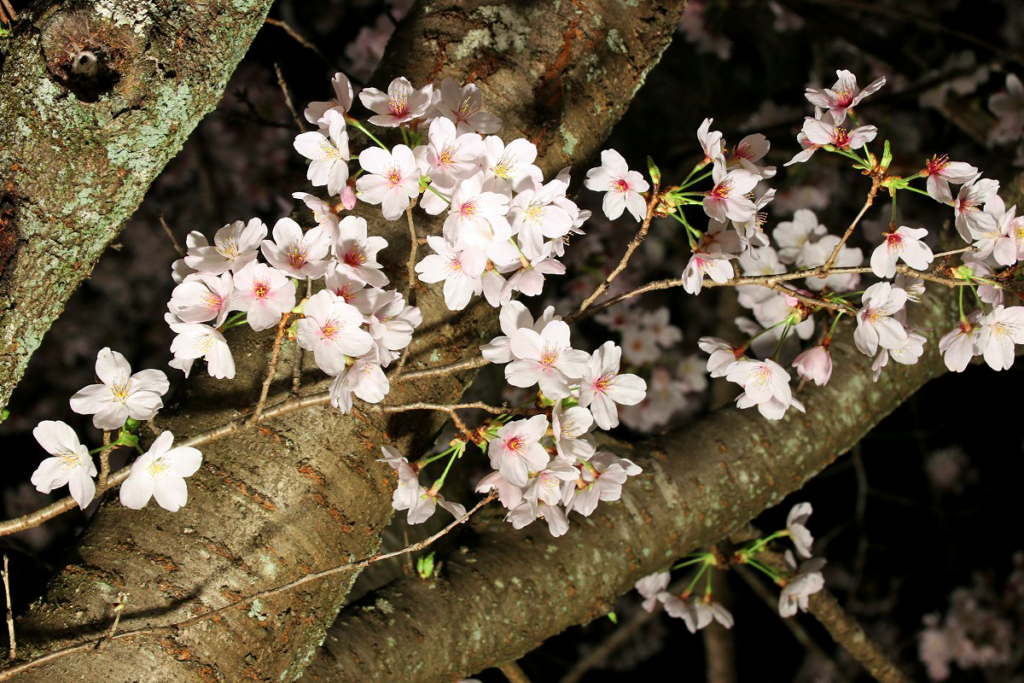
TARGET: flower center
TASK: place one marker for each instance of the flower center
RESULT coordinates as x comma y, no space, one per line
157,468
330,329
621,186
548,357
212,301
722,190
355,256
399,105
603,383
894,242
393,177
228,249
841,137
120,389
505,166
297,256
515,445
844,97
260,289
468,210
937,164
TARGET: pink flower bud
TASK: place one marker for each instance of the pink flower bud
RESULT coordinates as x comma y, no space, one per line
348,197
814,364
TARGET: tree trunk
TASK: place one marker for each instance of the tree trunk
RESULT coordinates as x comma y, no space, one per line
514,589
306,493
96,100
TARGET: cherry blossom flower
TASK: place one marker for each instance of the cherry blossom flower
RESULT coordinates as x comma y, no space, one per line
342,284
1009,110
604,475
514,315
710,141
450,156
356,253
530,278
824,131
723,355
392,179
569,427
71,463
842,96
121,394
902,243
461,106
477,218
814,364
328,152
907,353
793,236
971,221
796,523
264,293
512,163
695,612
940,172
515,451
640,347
798,590
816,253
752,149
300,255
342,101
323,213
194,341
401,103
534,215
545,358
957,345
332,329
181,270
202,298
160,473
875,324
235,246
365,379
715,266
527,512
621,186
601,386
997,333
728,199
427,503
509,495
650,587
1002,243
408,492
391,322
460,270
656,323
765,385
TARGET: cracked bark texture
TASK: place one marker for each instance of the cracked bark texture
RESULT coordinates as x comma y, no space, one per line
97,98
304,492
508,590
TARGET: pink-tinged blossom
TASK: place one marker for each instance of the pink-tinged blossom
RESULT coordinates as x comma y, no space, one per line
750,150
940,172
514,315
515,451
875,324
695,612
656,323
798,590
264,293
401,103
824,131
202,298
235,246
477,218
971,221
569,427
957,345
1002,244
323,213
300,255
534,216
723,355
639,347
121,394
546,487
332,329
814,365
450,156
715,266
546,359
529,279
342,284
194,341
601,386
796,525
427,504
710,141
603,475
365,379
392,179
181,270
529,511
160,473
509,495
728,199
391,321
461,106
650,587
71,463
907,353
341,103
408,492
621,186
512,163
997,333
356,253
765,385
460,271
794,236
843,95
328,152
902,243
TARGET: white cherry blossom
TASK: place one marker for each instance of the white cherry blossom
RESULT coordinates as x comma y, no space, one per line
332,330
235,246
160,473
602,386
621,186
121,394
392,179
402,103
264,293
71,463
300,255
328,152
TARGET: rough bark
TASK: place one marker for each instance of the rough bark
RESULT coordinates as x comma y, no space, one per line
511,590
97,98
305,492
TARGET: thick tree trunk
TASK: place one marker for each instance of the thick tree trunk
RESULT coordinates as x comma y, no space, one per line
306,493
513,589
96,99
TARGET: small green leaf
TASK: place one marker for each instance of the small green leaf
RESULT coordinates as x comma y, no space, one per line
613,617
425,566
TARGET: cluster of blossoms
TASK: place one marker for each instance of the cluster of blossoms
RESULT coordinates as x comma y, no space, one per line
798,582
120,401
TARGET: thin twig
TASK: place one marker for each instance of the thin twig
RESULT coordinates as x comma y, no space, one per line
275,354
104,462
449,369
299,351
875,183
513,672
9,673
634,243
12,652
170,234
122,598
288,98
301,41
